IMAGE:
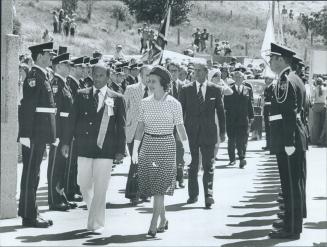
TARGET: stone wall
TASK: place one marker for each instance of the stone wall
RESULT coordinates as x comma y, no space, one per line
9,119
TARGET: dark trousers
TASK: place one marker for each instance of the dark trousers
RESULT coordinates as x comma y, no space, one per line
291,174
207,152
179,159
131,192
237,137
267,129
56,174
70,182
32,158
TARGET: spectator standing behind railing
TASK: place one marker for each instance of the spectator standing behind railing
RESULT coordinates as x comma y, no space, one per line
55,22
318,110
61,19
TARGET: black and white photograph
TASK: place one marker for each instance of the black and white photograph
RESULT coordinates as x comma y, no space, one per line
163,123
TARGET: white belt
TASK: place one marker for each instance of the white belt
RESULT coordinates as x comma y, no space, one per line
46,110
267,103
275,117
64,114
298,115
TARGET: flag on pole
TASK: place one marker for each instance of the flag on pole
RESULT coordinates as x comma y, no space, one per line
265,48
154,55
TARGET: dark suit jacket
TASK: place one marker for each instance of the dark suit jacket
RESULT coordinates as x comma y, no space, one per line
37,92
84,125
238,106
199,120
289,130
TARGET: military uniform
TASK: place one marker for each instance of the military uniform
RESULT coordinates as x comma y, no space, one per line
38,123
57,162
287,130
70,182
268,92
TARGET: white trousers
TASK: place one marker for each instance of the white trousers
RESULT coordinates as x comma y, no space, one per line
93,177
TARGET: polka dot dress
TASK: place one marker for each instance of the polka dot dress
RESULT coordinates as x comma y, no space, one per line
157,158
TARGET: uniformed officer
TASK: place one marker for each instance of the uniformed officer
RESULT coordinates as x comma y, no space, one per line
70,184
135,72
268,92
288,140
239,116
57,163
88,81
117,85
72,80
37,128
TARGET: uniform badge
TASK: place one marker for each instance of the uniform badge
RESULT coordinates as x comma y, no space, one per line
55,89
32,82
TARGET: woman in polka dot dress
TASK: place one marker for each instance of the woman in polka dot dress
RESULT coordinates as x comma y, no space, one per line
159,113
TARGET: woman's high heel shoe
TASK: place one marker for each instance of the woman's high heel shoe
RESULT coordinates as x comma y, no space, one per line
152,234
163,228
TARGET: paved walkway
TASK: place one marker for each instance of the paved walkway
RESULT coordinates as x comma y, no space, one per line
242,216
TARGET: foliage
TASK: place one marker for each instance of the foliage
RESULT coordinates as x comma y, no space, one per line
120,11
316,22
153,11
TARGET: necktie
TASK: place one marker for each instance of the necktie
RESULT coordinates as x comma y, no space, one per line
200,95
145,92
175,94
96,98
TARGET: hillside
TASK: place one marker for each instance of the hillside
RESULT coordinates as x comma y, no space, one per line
248,18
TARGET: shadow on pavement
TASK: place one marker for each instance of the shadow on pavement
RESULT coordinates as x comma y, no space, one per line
71,235
258,205
257,214
263,222
316,225
257,243
246,234
265,191
118,206
319,198
119,239
5,229
226,167
261,198
170,208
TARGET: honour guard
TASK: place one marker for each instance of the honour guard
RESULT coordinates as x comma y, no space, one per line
288,141
71,187
57,162
37,128
268,92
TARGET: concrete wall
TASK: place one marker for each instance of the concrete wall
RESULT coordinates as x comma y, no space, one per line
9,119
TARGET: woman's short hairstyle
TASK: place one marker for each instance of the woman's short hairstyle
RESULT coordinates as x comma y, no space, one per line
164,75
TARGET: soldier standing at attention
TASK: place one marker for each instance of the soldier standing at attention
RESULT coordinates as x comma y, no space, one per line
57,163
37,128
266,109
288,141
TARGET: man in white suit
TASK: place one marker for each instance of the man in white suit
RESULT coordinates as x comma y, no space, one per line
133,96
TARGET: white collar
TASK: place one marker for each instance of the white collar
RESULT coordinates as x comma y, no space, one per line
103,90
143,86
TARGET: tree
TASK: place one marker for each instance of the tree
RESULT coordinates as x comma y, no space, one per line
89,6
316,23
69,6
153,11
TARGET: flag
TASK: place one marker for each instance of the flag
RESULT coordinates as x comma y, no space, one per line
265,48
154,55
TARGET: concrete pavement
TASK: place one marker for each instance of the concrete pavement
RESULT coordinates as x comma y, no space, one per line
242,216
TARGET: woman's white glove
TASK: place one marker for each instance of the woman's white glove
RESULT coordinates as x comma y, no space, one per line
135,155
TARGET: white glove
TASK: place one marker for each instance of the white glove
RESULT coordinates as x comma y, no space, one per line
56,142
289,150
135,155
186,146
25,141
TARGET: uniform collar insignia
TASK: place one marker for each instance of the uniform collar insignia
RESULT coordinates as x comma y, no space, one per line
42,69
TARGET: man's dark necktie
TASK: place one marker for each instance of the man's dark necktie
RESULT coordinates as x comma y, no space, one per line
200,95
96,98
145,92
175,93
